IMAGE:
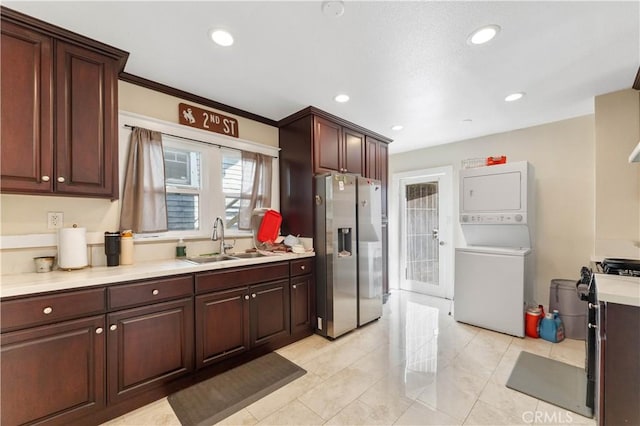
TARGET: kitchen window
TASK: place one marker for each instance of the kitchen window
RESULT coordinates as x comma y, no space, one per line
202,182
203,177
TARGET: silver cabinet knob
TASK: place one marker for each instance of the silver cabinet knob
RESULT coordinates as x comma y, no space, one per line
302,267
60,179
113,327
47,310
99,330
246,297
253,295
294,287
45,178
155,292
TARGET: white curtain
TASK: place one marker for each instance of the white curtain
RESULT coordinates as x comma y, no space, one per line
144,205
256,186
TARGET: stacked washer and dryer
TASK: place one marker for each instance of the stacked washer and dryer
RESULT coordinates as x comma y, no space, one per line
494,271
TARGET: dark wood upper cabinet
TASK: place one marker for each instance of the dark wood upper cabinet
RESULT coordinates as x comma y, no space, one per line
353,160
327,146
315,142
86,121
26,129
337,148
59,111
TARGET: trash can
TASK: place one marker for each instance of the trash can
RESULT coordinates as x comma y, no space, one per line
565,297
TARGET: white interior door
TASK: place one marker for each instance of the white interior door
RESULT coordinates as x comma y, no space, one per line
426,233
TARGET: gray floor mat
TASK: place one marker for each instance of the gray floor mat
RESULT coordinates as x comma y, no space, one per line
552,381
212,400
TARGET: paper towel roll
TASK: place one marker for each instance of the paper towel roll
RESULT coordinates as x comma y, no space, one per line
72,248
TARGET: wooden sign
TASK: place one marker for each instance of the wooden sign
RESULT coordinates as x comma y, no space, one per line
199,118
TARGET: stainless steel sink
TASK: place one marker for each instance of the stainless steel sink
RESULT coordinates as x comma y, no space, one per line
251,255
209,259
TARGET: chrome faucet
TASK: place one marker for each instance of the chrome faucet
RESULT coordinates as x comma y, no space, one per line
214,236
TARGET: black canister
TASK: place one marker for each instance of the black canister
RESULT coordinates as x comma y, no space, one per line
112,248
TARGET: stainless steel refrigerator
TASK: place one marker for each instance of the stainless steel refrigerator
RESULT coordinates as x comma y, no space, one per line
348,253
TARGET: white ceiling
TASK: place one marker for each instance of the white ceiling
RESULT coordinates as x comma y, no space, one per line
400,62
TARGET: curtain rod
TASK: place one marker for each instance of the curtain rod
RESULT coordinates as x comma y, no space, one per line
198,141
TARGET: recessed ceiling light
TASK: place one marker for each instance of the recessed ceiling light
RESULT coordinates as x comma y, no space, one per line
484,34
514,96
342,98
397,127
221,37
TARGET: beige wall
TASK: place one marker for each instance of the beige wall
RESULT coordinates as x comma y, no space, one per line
562,158
27,214
164,107
617,188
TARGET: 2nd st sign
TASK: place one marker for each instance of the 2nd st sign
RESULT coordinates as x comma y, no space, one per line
199,118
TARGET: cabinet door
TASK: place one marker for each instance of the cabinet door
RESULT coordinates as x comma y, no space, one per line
327,146
26,128
383,174
270,311
53,373
301,288
371,158
149,346
621,375
353,154
86,145
222,325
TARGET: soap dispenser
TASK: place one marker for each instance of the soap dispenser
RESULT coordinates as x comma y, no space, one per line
181,249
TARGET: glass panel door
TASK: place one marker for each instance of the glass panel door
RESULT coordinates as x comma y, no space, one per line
421,243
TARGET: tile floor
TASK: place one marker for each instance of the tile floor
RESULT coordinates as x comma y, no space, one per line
414,366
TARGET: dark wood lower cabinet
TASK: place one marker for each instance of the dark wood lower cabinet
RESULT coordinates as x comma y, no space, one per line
53,373
233,321
149,346
222,325
85,356
301,303
620,366
269,311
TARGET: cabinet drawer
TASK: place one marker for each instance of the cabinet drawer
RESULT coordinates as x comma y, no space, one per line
302,266
228,278
150,291
22,313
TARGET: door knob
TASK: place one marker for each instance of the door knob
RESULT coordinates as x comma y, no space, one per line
45,178
61,179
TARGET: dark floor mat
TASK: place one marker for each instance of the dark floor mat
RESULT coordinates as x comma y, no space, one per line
552,381
212,400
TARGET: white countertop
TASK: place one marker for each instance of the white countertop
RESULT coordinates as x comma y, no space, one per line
30,283
618,289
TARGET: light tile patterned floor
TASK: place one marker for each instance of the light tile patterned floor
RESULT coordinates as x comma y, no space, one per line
414,366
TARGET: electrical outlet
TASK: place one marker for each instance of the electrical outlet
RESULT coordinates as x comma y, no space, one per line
54,220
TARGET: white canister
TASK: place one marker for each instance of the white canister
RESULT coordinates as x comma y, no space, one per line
126,250
72,248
